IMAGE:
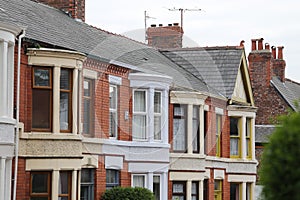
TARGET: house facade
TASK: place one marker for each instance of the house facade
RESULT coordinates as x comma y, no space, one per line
98,110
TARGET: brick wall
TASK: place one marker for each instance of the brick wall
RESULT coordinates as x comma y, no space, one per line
76,8
263,65
23,181
165,36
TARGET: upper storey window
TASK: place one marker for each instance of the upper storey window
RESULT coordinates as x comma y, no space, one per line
139,115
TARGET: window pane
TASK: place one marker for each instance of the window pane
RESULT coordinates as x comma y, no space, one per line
138,181
64,111
112,97
41,114
195,128
157,102
63,198
234,131
234,146
248,146
86,115
39,198
64,183
179,110
194,188
112,178
177,188
175,197
86,88
139,101
65,79
139,127
157,127
112,124
179,134
86,175
156,187
41,77
39,183
234,191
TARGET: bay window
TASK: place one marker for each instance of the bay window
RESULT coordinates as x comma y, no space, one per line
179,128
139,180
139,115
65,111
40,185
42,99
64,186
157,115
235,137
113,111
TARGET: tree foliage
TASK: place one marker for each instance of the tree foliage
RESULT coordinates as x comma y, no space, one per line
280,166
127,193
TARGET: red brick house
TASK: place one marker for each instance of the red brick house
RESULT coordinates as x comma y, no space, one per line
98,110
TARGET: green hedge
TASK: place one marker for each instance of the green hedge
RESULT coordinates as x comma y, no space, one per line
128,193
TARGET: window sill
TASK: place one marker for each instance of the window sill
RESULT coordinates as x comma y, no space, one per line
50,136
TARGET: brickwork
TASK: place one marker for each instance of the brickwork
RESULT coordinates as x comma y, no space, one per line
23,181
263,65
165,36
76,8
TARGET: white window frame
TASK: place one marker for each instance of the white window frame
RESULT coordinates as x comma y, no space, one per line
139,175
158,114
145,113
115,111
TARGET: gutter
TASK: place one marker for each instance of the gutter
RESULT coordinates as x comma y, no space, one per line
17,115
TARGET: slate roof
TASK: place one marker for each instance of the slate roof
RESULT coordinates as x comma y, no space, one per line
52,26
216,66
289,90
263,132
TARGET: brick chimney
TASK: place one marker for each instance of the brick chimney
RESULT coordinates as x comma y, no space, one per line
278,67
165,36
76,8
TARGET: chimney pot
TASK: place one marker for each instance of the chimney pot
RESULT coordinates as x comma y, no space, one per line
153,25
176,24
280,55
267,46
160,24
169,24
253,41
273,52
260,43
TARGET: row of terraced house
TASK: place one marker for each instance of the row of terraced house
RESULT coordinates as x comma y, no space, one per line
83,110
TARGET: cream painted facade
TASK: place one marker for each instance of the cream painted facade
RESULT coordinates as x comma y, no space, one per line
8,34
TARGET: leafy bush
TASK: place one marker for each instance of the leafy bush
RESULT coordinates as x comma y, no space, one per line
280,171
127,193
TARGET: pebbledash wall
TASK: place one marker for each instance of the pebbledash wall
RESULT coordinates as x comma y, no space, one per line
8,34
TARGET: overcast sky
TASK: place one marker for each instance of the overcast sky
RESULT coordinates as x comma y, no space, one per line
219,23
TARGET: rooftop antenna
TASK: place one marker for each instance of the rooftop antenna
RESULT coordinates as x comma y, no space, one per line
181,12
145,18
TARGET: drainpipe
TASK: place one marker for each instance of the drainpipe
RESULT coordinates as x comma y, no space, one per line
17,114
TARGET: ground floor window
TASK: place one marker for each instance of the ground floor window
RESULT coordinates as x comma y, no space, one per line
40,186
156,187
235,191
195,190
139,180
65,185
248,191
205,189
218,190
87,184
112,178
179,190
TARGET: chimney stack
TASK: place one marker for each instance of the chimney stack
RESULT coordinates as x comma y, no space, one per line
169,36
76,8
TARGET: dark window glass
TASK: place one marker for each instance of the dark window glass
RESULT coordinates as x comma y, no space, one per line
42,77
87,106
40,186
65,111
64,187
87,184
112,178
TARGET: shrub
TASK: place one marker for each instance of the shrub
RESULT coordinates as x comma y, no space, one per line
127,193
280,172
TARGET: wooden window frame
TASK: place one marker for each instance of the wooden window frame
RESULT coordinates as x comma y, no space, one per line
184,116
50,88
69,195
36,195
248,137
218,193
117,177
218,135
89,98
179,193
239,127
